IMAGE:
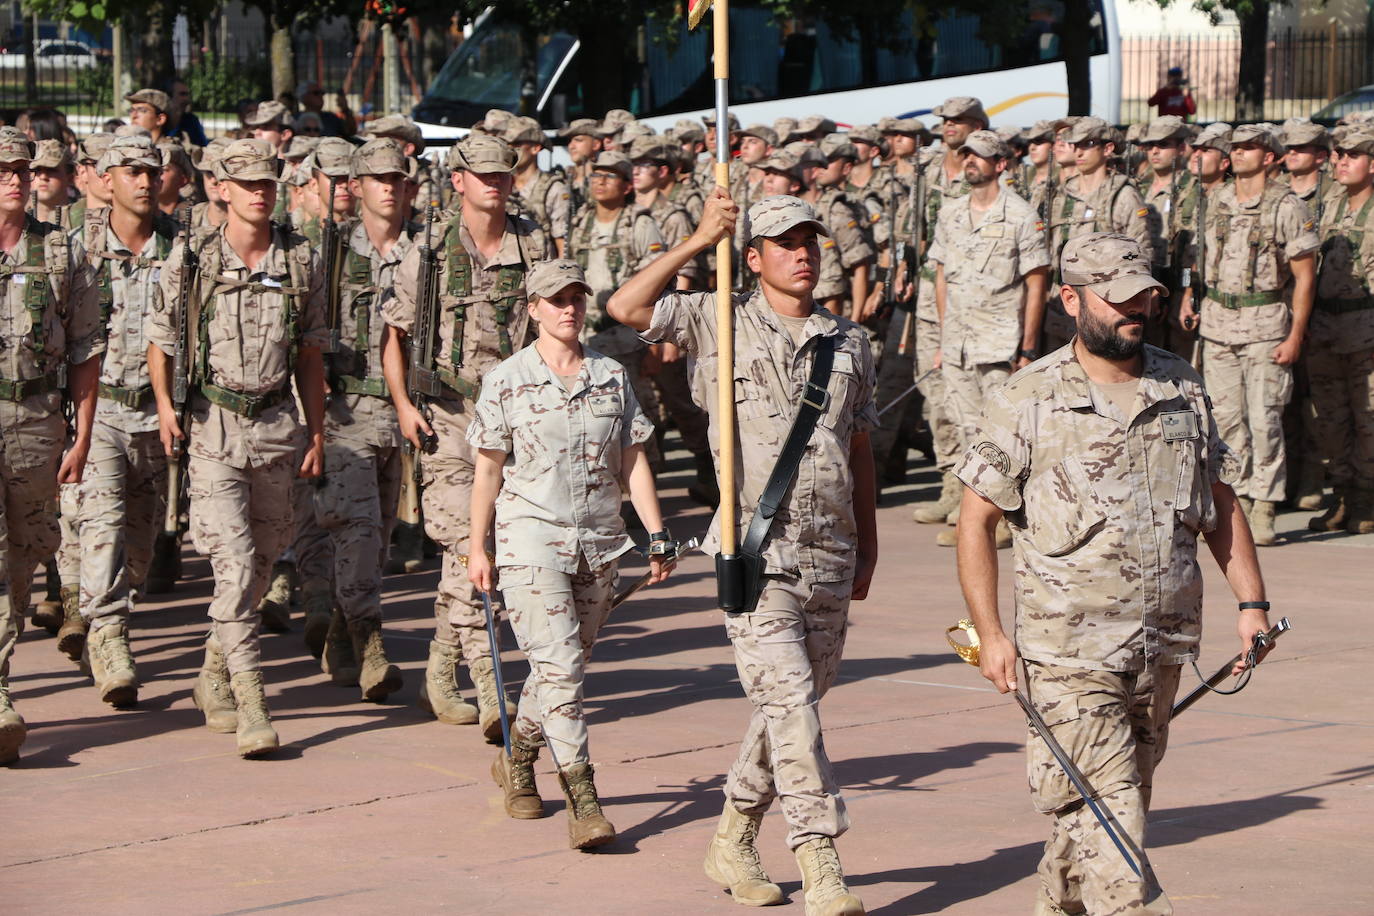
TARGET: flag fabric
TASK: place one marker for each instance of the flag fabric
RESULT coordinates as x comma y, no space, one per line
696,10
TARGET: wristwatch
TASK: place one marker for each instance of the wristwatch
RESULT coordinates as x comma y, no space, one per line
1031,355
661,543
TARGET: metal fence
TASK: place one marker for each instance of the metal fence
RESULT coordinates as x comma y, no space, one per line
1303,71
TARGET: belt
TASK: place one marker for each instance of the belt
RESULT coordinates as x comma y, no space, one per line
20,390
1341,306
245,405
133,398
351,384
460,387
1245,300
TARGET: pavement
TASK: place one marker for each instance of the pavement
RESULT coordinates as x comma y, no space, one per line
1262,806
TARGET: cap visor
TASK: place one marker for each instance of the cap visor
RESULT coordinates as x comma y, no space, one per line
1123,288
779,230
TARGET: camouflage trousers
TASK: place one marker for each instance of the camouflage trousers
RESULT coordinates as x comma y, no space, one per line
896,371
1249,391
1342,387
241,520
68,555
356,507
675,391
968,388
556,617
122,504
1115,727
788,653
943,430
446,499
310,547
28,524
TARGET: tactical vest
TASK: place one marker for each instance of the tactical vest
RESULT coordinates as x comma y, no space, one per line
1222,216
45,261
532,203
356,281
619,251
1331,236
504,297
164,231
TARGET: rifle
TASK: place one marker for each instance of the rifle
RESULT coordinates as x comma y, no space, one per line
333,265
186,326
918,237
422,382
894,251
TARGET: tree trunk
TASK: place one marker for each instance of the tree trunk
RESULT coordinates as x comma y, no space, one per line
1075,38
31,61
154,64
1254,39
282,57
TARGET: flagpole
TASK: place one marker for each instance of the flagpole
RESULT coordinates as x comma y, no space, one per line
725,325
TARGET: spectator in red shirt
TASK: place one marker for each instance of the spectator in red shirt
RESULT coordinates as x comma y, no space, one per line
1174,97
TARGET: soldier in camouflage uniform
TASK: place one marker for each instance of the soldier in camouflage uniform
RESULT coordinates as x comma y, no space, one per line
412,142
539,195
990,271
1040,174
484,256
1108,588
822,546
94,195
257,304
1164,187
178,176
583,138
123,494
847,256
53,177
148,109
1261,249
559,431
51,332
212,212
1340,352
705,165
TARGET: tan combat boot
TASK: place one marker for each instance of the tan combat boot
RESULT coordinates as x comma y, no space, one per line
256,736
935,513
1310,484
515,777
587,826
317,600
407,552
112,665
439,694
71,637
1262,523
12,729
377,676
484,679
47,614
275,606
732,859
1360,515
212,695
1333,519
338,660
823,880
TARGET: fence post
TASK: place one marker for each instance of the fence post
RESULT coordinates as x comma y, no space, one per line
1331,62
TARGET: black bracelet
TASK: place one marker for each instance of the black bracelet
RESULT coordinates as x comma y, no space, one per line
1255,606
663,535
1031,355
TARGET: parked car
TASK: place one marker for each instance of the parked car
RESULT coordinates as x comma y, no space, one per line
1361,99
51,54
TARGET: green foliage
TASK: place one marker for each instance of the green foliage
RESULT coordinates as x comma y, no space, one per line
96,85
217,84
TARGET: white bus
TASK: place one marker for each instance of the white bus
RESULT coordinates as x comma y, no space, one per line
790,68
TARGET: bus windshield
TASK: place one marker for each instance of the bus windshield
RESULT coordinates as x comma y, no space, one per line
484,71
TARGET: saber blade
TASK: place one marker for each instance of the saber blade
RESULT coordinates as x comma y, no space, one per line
682,550
496,671
1222,673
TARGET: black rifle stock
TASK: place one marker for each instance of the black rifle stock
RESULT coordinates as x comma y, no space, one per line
181,377
333,264
422,382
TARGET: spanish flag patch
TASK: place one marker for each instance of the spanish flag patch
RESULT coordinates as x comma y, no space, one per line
655,247
1040,225
1143,211
829,243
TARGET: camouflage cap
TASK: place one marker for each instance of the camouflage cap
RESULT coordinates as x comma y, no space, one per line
299,148
1215,136
1134,132
913,126
131,130
1357,139
1167,127
961,106
50,154
154,97
786,129
1040,132
1356,117
1089,128
709,119
548,278
582,127
248,160
133,152
213,150
266,114
398,127
635,131
333,156
685,130
1302,132
1011,136
814,125
987,144
774,215
89,150
783,161
613,161
655,149
807,153
864,133
837,146
15,149
299,175
494,122
523,130
1264,135
381,156
1109,264
762,132
482,154
173,153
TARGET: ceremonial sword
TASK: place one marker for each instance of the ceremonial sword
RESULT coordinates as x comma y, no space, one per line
914,385
1252,656
496,672
668,563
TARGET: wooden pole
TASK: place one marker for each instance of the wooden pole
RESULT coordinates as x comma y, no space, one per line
725,324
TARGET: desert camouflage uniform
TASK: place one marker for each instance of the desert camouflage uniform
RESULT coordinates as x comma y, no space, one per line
985,267
546,201
124,488
243,468
67,334
496,324
1244,315
844,249
788,650
558,526
1105,511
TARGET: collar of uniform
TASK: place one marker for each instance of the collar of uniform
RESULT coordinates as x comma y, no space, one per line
115,246
595,371
821,319
273,263
1156,386
997,213
506,256
361,243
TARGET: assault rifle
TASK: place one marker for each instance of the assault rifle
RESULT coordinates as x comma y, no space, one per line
187,322
918,239
422,382
333,265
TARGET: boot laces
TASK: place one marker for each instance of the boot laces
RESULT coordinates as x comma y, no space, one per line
522,767
827,865
747,851
585,802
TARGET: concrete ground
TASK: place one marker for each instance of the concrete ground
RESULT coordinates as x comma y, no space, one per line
1263,805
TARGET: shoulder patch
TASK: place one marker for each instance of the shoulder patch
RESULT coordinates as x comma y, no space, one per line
1040,225
828,243
1143,211
851,224
655,247
994,456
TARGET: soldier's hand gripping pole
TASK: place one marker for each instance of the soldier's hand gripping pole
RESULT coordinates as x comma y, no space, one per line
1252,658
495,641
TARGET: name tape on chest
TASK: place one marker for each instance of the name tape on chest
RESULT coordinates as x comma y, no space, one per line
1178,424
604,405
844,362
995,231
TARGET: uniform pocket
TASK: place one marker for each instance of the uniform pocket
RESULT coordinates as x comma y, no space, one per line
1188,500
1062,511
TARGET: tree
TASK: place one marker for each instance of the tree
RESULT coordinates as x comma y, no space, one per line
1253,16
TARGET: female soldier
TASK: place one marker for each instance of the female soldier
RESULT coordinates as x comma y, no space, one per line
558,429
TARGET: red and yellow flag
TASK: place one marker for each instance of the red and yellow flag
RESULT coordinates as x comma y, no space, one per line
696,10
